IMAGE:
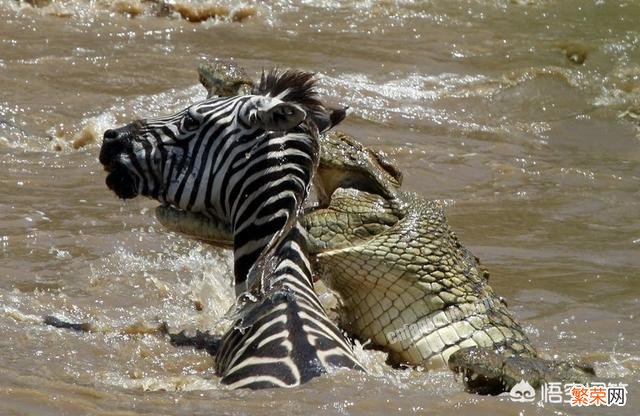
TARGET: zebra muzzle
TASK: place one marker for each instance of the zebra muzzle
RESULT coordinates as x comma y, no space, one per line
122,182
115,143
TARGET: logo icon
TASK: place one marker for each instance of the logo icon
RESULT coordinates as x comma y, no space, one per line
522,392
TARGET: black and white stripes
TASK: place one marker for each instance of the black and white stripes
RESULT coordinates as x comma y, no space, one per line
247,161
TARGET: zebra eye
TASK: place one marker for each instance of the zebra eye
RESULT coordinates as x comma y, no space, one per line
191,121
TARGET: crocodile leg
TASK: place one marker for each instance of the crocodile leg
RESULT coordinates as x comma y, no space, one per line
488,371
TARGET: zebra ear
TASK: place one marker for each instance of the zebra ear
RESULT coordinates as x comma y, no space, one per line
271,113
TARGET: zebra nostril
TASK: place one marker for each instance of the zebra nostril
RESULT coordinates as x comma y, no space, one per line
114,143
110,134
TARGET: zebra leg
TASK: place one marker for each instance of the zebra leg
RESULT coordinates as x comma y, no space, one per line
59,323
201,340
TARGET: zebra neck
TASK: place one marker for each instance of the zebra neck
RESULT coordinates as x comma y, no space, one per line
264,215
285,265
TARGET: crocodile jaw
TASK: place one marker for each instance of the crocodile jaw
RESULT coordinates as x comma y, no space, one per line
195,225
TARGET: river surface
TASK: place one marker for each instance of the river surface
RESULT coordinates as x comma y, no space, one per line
523,116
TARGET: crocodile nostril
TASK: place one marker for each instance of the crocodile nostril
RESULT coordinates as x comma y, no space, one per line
110,134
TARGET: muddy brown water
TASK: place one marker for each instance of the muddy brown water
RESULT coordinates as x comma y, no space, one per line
523,115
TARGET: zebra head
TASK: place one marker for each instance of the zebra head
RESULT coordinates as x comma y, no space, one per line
177,159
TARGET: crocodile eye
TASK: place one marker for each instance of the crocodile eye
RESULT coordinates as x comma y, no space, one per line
191,120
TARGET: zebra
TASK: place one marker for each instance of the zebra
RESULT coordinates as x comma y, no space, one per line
247,161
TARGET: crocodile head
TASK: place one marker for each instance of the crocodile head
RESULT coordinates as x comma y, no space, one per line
346,163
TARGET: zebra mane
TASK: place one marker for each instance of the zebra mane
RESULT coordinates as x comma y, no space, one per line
291,85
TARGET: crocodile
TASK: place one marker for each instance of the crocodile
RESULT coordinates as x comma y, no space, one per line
405,281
